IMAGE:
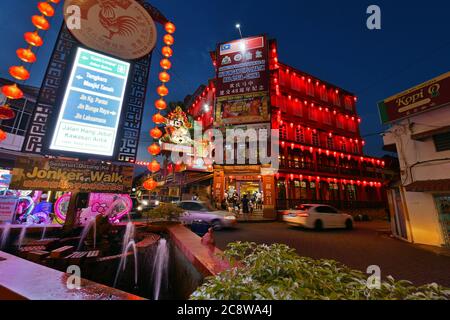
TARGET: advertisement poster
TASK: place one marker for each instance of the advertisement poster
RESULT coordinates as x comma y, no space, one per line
90,113
70,176
432,94
242,82
5,179
8,208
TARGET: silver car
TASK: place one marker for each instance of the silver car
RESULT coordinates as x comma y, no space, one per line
202,211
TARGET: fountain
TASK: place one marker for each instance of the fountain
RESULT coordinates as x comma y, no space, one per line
23,232
127,244
5,235
160,268
44,230
91,224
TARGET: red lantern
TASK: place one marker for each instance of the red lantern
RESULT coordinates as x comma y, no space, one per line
12,91
168,40
6,113
162,91
26,55
54,1
158,119
154,166
40,22
19,73
154,149
46,9
160,104
170,27
164,77
34,39
156,133
167,52
166,64
150,185
3,135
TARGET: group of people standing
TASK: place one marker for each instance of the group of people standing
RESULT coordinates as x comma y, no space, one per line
245,205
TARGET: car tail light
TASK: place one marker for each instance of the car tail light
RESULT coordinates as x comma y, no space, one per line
303,214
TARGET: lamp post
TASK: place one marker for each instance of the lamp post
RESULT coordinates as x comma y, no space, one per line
238,26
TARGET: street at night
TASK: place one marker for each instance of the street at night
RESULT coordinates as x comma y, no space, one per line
368,244
199,152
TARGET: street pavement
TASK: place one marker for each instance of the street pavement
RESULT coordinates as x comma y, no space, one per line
358,248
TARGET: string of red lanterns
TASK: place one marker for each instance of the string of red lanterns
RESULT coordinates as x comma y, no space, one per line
26,55
160,104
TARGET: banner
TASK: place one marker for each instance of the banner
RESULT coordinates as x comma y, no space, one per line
242,81
71,176
432,94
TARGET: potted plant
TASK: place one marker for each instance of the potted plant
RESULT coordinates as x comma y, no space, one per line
162,216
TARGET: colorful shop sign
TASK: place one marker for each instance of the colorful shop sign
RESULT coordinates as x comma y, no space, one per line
5,178
89,117
122,28
71,176
432,94
242,81
8,206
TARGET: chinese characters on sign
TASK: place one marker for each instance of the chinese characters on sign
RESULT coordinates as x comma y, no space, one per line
242,82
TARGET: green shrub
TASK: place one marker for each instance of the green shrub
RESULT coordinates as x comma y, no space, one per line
165,211
276,272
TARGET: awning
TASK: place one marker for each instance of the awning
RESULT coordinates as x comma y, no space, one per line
429,186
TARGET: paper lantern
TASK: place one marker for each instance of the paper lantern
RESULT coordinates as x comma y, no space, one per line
168,40
26,55
19,73
154,149
164,77
156,133
170,27
166,64
162,91
33,39
3,135
6,113
160,104
158,118
40,22
46,9
154,166
12,91
150,185
167,52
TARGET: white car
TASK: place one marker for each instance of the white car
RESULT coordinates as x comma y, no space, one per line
201,211
318,216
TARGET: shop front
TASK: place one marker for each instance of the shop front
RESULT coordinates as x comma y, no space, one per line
233,183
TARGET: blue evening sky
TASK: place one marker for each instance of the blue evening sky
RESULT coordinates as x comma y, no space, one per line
328,39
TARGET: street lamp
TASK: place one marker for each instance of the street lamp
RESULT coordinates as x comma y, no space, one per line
238,26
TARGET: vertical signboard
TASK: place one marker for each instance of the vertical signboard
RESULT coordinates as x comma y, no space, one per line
90,113
242,82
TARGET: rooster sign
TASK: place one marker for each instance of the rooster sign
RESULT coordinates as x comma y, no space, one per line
122,28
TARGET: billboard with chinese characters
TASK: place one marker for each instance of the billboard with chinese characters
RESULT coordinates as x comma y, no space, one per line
89,117
432,94
242,82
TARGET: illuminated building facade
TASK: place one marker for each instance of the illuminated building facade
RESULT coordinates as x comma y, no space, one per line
321,148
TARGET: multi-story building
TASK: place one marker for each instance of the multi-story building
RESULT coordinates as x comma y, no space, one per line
419,133
321,148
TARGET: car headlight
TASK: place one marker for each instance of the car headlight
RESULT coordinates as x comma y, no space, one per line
230,218
139,208
156,203
145,203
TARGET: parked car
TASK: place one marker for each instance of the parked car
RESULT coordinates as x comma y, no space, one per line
318,216
201,211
